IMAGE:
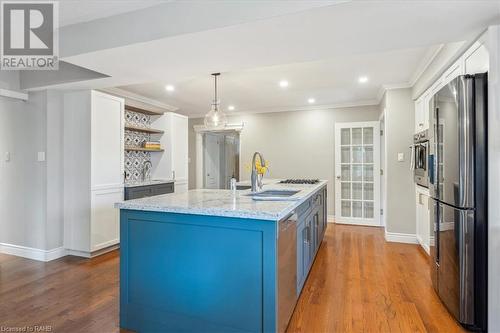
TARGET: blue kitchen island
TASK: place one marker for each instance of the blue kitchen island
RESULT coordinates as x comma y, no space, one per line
212,261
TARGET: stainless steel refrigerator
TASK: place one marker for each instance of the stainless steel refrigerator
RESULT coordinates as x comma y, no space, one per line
458,187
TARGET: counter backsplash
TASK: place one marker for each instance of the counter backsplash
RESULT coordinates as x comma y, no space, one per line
134,160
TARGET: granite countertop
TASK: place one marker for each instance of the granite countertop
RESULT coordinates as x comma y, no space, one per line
148,182
225,203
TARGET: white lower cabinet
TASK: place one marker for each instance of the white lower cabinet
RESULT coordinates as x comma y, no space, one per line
104,221
181,186
423,217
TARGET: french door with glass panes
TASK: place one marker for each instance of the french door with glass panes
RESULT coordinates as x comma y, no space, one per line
357,173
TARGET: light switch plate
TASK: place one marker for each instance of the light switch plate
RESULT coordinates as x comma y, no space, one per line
401,157
7,157
41,156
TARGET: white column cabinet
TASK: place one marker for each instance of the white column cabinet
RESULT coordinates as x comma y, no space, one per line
173,163
93,170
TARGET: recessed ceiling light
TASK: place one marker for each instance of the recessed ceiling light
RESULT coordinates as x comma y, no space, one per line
311,101
363,79
283,83
169,87
231,107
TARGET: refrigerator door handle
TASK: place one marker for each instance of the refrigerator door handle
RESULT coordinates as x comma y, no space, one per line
466,257
466,143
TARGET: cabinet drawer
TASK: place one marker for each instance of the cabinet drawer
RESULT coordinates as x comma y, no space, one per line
304,208
148,191
162,189
137,192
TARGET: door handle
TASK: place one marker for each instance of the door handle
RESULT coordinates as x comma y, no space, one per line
338,177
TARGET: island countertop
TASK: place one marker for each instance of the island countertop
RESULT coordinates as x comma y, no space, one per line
225,204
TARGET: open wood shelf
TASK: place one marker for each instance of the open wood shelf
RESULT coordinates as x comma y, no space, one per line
144,130
130,148
144,111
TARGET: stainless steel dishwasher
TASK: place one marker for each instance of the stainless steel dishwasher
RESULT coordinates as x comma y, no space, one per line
287,269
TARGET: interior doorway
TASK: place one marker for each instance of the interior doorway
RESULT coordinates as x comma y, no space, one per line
357,161
221,155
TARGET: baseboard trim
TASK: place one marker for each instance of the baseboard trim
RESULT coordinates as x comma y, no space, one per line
330,219
87,254
32,253
397,237
424,246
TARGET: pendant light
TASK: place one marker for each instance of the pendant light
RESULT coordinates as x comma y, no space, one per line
215,118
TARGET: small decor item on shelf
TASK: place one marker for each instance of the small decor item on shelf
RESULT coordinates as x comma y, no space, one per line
152,145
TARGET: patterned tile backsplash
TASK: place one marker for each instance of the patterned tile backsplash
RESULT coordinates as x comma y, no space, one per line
134,160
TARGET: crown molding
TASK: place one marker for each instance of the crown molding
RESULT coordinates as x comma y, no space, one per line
139,98
425,64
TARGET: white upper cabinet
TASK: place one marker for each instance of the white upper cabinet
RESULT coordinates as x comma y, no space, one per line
107,127
476,59
180,147
419,115
422,112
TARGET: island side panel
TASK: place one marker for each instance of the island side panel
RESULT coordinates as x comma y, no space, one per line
192,273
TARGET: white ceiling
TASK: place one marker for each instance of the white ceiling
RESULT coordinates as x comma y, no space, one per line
331,83
321,50
78,11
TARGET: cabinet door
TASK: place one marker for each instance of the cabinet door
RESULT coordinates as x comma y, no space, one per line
301,239
179,147
423,220
181,186
105,218
477,60
107,130
307,245
321,217
419,115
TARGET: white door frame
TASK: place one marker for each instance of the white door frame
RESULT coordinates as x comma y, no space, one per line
383,178
199,130
376,174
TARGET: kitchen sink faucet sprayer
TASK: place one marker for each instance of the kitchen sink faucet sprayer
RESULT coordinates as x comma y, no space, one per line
256,180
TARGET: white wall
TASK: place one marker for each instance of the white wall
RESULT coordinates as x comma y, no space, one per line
297,144
30,191
494,180
399,126
21,179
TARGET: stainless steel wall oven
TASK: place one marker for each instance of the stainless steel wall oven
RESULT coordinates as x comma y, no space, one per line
420,158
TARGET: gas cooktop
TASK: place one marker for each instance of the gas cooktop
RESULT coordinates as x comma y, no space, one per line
300,181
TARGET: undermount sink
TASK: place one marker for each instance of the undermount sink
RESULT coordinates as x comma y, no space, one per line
273,195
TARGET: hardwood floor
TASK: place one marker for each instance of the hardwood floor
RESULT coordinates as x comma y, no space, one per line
359,283
70,294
